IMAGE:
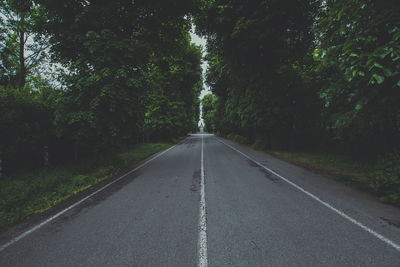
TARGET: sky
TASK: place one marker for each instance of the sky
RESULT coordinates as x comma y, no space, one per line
201,41
206,90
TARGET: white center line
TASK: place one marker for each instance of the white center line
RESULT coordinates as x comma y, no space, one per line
202,246
329,206
36,227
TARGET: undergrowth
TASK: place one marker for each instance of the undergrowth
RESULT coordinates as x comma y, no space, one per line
30,193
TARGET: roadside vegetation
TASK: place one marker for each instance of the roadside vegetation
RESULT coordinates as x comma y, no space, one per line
380,176
80,79
309,76
27,193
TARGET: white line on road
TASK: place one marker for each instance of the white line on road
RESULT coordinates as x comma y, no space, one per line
202,215
341,213
33,229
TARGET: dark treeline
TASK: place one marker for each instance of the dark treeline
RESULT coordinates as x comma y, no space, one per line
305,74
127,72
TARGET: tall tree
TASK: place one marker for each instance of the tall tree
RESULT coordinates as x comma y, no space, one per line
257,49
118,53
21,47
209,104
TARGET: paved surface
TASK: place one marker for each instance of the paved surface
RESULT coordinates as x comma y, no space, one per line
254,218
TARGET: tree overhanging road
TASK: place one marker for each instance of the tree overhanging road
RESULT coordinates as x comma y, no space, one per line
260,211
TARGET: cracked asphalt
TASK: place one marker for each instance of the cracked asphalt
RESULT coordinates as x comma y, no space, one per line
254,218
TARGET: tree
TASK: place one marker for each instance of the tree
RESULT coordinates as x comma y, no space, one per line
257,50
358,55
208,104
121,56
21,47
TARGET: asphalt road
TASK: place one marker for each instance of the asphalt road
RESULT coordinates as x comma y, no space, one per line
209,201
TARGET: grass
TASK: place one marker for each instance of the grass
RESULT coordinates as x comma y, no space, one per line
237,138
343,168
339,167
31,193
380,176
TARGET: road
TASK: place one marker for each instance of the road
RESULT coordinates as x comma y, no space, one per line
208,201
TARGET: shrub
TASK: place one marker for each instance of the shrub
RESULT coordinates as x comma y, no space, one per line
386,178
237,138
260,144
26,127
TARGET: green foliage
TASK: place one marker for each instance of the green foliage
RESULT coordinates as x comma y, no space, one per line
257,59
324,73
359,49
260,144
386,177
26,125
22,47
341,167
128,77
126,69
142,151
237,138
172,104
296,74
209,109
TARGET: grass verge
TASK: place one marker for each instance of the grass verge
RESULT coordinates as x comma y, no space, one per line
380,176
339,167
26,194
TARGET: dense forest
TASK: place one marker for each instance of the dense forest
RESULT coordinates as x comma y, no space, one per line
296,75
84,77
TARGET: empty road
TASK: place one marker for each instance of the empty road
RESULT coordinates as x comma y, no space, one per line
210,202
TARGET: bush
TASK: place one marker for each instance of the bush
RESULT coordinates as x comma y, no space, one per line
237,138
386,178
260,144
26,126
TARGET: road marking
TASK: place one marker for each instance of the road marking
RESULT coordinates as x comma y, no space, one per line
202,246
33,229
341,213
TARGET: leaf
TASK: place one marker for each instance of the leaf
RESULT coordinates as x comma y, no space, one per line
376,64
393,30
379,79
396,36
398,83
387,72
339,16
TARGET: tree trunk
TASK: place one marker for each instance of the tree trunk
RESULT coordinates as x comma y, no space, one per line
22,68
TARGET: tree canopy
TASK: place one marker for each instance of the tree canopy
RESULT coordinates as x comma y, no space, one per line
305,73
127,72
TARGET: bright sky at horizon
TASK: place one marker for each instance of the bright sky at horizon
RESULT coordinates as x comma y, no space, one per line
202,42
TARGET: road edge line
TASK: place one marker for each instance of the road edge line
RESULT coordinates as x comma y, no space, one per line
329,206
